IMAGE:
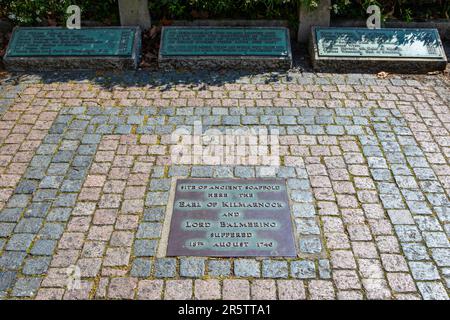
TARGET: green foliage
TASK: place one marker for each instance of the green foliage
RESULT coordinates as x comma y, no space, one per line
406,10
37,12
251,9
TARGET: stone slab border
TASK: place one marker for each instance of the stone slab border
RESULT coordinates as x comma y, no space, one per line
164,240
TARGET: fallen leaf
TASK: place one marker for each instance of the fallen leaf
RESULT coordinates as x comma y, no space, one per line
51,22
166,22
154,31
382,75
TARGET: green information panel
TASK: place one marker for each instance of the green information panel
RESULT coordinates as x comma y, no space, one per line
210,41
40,42
382,43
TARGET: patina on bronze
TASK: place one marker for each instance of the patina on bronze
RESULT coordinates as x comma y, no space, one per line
374,50
407,43
54,48
225,47
231,218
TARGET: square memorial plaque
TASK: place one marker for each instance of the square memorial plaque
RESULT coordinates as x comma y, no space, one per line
225,47
361,49
231,218
86,48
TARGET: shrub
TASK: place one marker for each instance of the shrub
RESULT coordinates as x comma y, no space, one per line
42,12
36,12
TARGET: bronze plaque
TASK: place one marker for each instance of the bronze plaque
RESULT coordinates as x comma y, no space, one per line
231,218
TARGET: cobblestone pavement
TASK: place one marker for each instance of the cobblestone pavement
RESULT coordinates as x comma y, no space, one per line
85,174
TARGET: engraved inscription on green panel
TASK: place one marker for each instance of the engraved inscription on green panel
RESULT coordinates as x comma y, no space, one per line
382,43
231,217
39,42
194,41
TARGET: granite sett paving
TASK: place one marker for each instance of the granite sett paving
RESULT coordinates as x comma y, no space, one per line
86,164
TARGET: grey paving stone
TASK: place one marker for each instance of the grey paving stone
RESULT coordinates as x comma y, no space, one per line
244,172
51,231
141,268
249,120
413,195
66,200
310,245
11,260
202,172
160,184
303,269
426,223
418,207
246,268
408,233
157,198
231,120
18,201
298,184
307,226
286,172
287,120
436,239
149,230
275,269
335,130
223,172
6,229
303,210
165,267
432,291
43,248
7,279
145,248
192,267
59,214
314,129
29,225
38,210
219,268
324,269
424,271
19,242
392,201
10,215
158,171
301,196
441,256
36,266
51,182
154,214
26,186
415,251
26,287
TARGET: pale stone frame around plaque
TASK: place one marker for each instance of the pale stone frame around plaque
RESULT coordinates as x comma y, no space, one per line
165,233
164,240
